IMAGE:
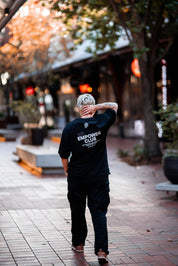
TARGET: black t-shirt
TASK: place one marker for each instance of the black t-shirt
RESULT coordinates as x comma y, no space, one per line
84,141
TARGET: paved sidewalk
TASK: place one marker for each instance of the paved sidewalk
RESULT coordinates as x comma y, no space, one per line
35,216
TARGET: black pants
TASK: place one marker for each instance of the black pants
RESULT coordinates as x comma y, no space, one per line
98,201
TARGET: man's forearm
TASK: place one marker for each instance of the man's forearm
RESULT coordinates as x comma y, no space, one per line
105,106
91,109
65,165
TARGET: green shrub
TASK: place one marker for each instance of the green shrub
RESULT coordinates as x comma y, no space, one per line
27,110
139,153
169,122
122,153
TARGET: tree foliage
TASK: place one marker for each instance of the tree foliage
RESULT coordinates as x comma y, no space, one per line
28,48
169,123
103,22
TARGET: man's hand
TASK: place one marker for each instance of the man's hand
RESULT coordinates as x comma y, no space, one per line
88,110
66,174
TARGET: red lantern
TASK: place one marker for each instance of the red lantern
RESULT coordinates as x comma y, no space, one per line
135,68
84,88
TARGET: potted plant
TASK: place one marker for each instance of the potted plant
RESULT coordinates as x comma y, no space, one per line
169,124
29,116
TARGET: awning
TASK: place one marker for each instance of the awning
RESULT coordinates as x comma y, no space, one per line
7,10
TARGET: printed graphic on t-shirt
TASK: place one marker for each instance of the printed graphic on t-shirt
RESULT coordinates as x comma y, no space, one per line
86,125
89,140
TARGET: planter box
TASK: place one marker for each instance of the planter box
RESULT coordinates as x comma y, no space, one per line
43,159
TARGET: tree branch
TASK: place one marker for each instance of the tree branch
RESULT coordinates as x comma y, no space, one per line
115,9
148,12
170,42
158,24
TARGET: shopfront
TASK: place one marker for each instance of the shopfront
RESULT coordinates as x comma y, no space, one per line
115,77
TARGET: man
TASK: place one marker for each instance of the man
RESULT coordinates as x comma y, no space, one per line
84,141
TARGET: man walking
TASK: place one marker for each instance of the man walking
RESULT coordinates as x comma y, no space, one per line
84,157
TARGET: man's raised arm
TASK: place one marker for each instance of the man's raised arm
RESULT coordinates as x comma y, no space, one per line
105,106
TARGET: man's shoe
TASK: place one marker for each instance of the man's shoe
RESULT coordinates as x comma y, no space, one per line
102,257
78,249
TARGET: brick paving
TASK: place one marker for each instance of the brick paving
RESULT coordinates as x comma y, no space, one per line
35,216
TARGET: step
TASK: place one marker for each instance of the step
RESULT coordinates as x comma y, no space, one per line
167,186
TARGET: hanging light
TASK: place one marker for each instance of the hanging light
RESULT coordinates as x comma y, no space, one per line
6,11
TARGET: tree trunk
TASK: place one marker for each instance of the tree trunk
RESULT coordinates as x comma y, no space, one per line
147,83
116,87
